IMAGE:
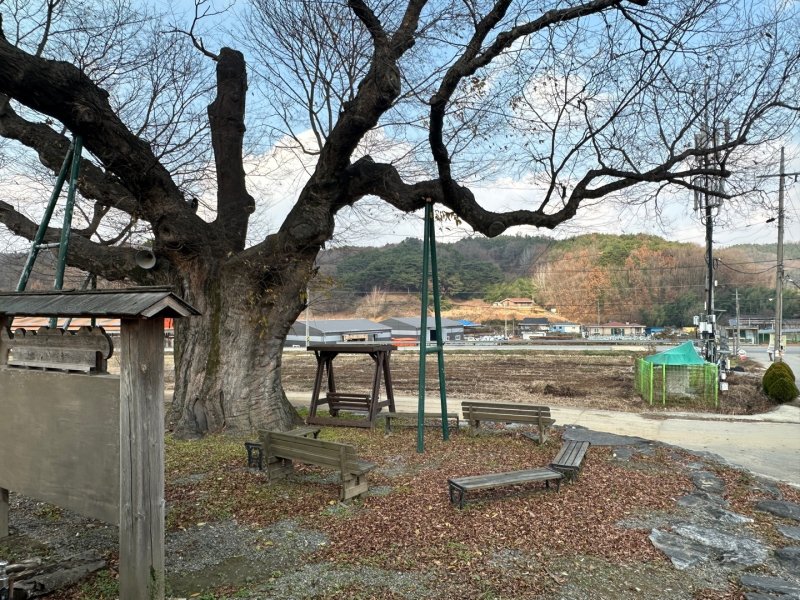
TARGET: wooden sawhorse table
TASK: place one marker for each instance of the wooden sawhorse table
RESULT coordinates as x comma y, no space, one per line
336,401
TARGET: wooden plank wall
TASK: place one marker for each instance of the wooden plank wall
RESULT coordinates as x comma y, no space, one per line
59,439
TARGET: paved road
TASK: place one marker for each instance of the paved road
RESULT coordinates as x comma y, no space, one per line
791,356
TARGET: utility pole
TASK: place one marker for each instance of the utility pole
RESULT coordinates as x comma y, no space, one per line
738,326
705,203
779,276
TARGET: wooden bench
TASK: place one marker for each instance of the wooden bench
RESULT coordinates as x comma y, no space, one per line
475,412
410,418
460,486
285,448
255,451
344,401
569,458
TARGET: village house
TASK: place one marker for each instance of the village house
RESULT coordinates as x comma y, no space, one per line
408,329
531,327
331,331
614,329
515,303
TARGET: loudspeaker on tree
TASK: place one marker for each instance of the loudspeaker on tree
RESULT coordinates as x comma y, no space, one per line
145,259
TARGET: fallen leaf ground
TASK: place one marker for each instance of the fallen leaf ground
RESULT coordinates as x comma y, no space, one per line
519,543
523,543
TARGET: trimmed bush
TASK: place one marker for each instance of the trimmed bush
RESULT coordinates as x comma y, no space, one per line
783,390
776,371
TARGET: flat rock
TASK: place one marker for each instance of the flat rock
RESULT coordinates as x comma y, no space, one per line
623,453
598,438
760,596
781,508
725,517
771,585
682,552
789,558
729,548
766,486
790,531
701,500
708,482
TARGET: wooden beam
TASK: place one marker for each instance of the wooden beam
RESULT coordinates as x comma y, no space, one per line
4,508
141,547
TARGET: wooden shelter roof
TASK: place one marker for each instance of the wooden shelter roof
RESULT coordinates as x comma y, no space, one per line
143,302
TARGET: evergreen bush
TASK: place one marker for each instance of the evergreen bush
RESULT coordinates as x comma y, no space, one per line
783,390
774,372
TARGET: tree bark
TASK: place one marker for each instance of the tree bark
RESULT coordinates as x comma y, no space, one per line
228,361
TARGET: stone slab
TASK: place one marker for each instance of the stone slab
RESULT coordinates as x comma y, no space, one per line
770,585
789,558
599,438
729,548
781,508
708,482
701,499
682,552
789,531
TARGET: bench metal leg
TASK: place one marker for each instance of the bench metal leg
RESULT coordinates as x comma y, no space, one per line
457,495
255,455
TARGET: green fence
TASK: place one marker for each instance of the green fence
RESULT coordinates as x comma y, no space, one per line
659,384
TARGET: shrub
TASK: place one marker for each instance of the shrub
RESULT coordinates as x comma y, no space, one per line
783,390
774,372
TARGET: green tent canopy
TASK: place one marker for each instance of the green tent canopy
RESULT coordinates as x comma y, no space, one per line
685,354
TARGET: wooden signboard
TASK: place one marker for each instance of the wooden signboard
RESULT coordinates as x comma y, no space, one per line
89,441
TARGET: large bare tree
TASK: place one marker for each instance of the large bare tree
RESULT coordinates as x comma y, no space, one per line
408,102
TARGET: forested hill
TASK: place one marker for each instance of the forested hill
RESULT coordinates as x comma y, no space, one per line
637,278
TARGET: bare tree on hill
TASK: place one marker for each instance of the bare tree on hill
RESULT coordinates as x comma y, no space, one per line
407,102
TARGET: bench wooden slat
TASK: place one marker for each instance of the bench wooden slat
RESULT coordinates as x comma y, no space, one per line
341,457
475,412
458,487
492,480
569,458
483,410
401,417
502,405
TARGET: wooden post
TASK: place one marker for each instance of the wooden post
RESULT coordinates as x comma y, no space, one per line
4,505
141,529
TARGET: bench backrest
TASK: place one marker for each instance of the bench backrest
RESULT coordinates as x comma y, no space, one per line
334,455
483,410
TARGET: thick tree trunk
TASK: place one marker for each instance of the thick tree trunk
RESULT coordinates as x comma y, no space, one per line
228,361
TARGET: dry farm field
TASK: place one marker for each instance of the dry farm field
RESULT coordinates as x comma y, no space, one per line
600,380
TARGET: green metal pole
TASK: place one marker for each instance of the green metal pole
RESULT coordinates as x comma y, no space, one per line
652,377
664,384
48,213
67,227
423,337
437,311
